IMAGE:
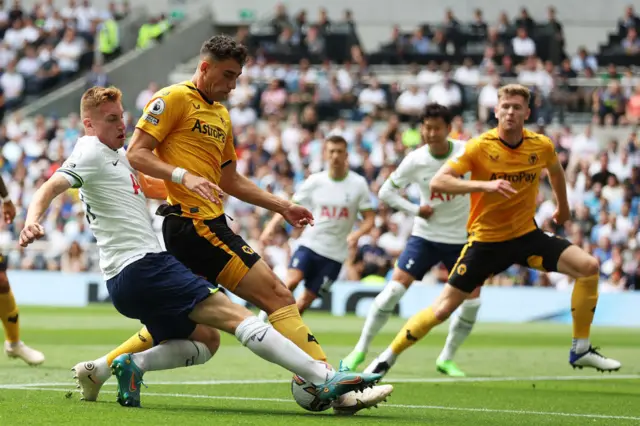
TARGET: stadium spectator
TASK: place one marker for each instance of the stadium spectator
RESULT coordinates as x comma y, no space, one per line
631,42
522,44
67,53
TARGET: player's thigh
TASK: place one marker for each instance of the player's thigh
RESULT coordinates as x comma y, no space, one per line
327,272
549,253
418,257
477,262
262,288
449,299
294,277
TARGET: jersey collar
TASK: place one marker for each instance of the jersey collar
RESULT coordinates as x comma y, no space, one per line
191,86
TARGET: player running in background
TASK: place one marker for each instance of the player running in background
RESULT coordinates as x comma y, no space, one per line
439,233
505,165
148,284
190,131
9,313
335,197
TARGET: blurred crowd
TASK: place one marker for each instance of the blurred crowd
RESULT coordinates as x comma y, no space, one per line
282,113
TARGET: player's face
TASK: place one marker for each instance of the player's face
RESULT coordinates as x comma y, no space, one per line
435,131
107,123
512,111
219,78
336,154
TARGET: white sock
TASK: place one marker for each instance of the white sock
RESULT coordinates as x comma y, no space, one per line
262,316
101,369
172,354
580,346
388,356
459,328
265,341
379,313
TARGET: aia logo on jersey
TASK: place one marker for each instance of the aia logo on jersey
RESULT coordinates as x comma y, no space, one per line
442,197
333,212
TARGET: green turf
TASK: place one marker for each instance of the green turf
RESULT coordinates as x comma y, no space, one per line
513,366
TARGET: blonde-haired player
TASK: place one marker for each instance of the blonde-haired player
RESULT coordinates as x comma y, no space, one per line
505,165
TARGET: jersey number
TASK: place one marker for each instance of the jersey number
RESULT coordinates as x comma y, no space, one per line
89,215
136,185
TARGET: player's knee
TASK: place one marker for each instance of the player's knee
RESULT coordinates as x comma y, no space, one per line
591,266
209,336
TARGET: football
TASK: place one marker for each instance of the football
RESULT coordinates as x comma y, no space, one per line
304,393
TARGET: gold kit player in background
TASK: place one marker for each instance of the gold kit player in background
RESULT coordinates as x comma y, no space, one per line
505,165
13,346
185,138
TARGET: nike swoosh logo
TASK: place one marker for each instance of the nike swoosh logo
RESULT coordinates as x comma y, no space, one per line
195,106
132,386
261,338
91,378
354,381
115,162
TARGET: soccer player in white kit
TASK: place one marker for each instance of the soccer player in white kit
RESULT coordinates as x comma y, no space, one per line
439,234
335,196
148,284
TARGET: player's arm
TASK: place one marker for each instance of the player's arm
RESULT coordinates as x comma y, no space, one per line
559,186
448,179
8,209
161,115
368,221
241,187
389,192
41,201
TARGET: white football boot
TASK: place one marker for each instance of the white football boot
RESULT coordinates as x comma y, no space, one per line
352,402
87,380
593,359
24,352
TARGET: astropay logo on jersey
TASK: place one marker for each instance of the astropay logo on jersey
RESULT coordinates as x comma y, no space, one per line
519,177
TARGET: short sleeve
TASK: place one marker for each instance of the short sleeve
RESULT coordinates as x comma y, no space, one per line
464,162
365,198
163,112
81,166
403,175
304,191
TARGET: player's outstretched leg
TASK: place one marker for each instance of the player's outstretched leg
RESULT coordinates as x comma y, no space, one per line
294,277
580,265
379,313
266,342
417,327
91,375
460,327
13,346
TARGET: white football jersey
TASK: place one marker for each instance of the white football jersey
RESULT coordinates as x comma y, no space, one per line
335,206
113,202
448,223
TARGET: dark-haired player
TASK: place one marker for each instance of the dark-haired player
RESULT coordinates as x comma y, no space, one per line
505,165
335,196
439,233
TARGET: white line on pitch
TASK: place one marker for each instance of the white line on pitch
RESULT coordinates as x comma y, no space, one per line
397,380
403,406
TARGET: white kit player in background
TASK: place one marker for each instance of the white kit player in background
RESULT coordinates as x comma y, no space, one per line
135,267
438,235
336,197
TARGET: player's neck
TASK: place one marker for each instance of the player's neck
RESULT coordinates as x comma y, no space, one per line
440,150
338,174
510,137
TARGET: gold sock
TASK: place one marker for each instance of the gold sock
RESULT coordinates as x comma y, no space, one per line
584,299
415,329
288,322
10,317
141,341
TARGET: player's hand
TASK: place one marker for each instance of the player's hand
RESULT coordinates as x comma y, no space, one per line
297,216
207,190
425,212
352,240
30,233
560,216
8,211
500,186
